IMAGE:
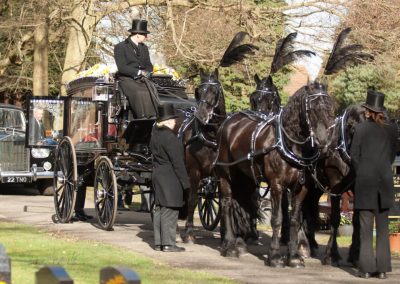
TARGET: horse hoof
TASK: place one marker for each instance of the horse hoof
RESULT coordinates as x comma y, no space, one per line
332,261
230,253
296,263
304,251
276,262
189,241
242,250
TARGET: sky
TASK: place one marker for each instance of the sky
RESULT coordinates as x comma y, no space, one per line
315,32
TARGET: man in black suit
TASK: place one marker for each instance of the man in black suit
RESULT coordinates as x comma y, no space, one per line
169,179
373,151
134,67
36,128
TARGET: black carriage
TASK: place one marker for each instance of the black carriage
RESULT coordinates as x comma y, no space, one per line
99,144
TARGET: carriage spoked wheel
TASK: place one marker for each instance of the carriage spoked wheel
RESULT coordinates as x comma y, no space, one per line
209,203
105,194
65,180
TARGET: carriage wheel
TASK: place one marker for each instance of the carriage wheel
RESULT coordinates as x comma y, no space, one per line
209,203
105,194
65,180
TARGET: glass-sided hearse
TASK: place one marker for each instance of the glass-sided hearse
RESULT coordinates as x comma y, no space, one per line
85,129
21,161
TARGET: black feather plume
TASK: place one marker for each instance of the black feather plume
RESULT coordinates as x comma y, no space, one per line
344,56
284,54
348,60
236,52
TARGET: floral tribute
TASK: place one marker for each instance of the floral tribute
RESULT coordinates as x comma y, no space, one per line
346,218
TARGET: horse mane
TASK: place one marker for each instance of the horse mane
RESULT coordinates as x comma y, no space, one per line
294,111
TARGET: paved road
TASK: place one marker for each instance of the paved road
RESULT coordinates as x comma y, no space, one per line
133,231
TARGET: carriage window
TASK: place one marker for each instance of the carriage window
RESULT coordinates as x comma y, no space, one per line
45,122
84,128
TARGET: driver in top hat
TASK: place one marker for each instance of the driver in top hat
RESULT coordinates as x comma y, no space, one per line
373,151
134,66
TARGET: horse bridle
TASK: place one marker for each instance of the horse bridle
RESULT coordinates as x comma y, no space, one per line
308,100
266,92
210,83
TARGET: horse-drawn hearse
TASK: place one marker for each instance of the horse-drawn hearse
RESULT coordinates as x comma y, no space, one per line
98,143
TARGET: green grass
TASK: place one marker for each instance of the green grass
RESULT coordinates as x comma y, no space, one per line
30,248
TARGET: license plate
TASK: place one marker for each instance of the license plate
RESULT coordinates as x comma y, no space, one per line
16,180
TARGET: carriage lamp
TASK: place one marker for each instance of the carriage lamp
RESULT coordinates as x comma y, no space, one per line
100,93
47,166
40,153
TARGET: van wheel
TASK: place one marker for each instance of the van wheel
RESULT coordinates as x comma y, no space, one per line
46,188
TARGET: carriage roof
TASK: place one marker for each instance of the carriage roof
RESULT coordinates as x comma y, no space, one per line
165,85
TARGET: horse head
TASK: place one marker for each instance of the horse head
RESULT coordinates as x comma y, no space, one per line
309,117
318,111
209,96
266,96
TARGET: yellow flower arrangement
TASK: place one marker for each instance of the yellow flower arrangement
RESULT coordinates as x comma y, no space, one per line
162,69
98,70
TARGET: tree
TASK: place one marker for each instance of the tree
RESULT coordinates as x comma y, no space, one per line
376,26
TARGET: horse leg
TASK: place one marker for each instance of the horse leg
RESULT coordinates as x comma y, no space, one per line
188,235
285,229
228,246
310,210
332,255
294,259
274,255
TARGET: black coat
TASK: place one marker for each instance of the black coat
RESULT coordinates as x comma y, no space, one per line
373,151
130,58
169,176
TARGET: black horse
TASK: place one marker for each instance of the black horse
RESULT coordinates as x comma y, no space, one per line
198,130
334,176
251,149
266,97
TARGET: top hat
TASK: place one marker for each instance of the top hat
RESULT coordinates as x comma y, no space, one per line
374,101
139,27
166,111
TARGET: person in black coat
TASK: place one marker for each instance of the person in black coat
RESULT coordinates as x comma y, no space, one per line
169,179
134,66
373,151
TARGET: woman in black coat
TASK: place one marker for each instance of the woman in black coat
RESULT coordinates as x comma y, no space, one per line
373,151
133,62
169,179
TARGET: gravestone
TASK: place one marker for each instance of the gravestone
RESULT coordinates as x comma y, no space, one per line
121,275
5,266
53,275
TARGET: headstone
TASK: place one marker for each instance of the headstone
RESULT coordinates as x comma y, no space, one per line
5,266
53,275
123,275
